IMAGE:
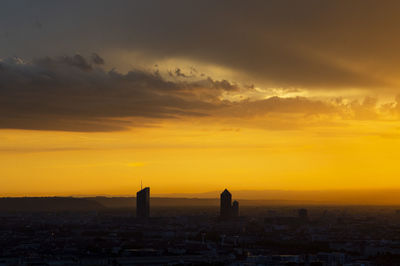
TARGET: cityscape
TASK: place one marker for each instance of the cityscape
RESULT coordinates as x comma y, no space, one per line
217,234
201,132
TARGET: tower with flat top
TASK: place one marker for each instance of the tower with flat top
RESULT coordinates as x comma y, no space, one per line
235,209
143,203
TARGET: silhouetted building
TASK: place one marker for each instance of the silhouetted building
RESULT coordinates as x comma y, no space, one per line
235,209
226,204
303,214
143,203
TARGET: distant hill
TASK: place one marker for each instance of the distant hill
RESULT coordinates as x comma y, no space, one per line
114,202
129,202
319,197
293,198
34,204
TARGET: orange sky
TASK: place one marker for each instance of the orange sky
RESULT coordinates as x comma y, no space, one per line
182,156
250,96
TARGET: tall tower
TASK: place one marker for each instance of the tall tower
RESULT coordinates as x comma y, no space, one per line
235,209
303,214
143,203
226,204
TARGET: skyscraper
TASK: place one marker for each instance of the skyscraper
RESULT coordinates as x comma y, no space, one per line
143,203
303,214
226,204
235,209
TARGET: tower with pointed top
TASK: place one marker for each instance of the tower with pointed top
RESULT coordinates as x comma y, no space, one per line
226,204
143,203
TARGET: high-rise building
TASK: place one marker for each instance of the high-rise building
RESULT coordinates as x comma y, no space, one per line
303,214
226,204
143,203
235,209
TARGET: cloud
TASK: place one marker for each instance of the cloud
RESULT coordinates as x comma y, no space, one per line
309,44
76,61
69,93
299,105
96,59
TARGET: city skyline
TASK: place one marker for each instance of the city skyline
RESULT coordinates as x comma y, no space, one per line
202,132
228,209
192,97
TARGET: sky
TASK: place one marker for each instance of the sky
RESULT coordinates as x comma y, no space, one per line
197,96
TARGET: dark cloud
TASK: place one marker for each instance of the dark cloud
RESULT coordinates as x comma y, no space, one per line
77,61
301,107
68,93
96,59
313,44
217,84
178,73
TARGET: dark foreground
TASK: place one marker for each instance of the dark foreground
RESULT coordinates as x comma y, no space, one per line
274,235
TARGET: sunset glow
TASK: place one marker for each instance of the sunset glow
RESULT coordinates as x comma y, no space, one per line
300,97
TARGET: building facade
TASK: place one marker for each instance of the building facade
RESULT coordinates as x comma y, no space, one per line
143,203
235,209
226,204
